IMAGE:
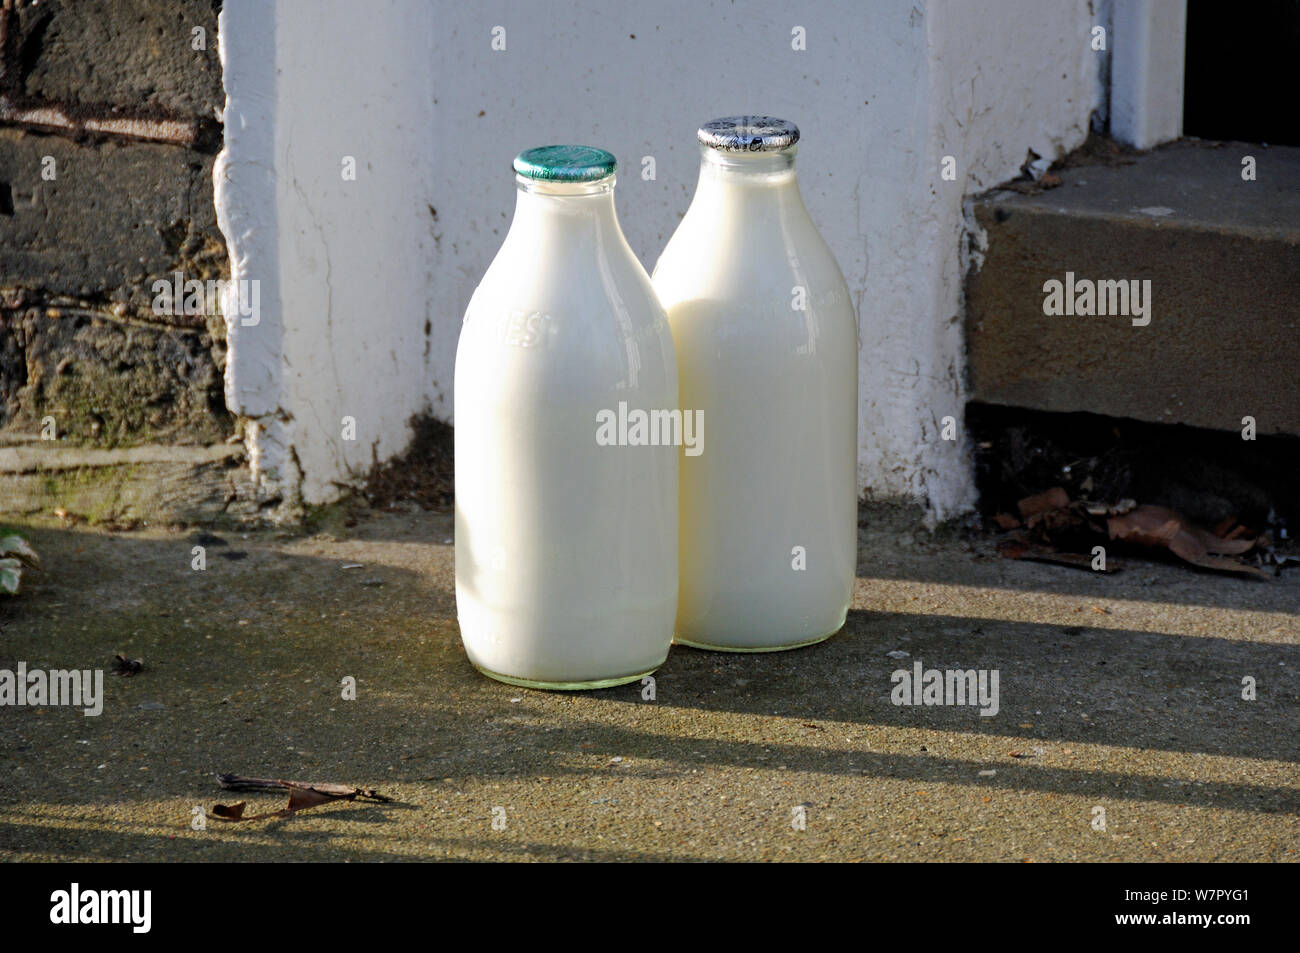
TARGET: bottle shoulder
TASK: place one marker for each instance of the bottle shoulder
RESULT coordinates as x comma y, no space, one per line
720,260
576,284
601,325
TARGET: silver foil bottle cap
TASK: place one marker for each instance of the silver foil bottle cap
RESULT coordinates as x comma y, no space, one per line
748,134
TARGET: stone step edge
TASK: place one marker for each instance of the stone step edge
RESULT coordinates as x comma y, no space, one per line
15,460
1003,200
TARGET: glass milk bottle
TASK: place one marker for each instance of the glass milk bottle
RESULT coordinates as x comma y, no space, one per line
566,546
767,350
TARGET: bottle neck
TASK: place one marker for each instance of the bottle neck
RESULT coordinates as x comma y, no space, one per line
576,205
768,166
765,178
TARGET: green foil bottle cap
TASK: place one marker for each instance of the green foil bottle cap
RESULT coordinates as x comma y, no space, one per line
565,163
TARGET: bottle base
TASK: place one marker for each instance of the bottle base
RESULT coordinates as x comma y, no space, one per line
567,686
751,649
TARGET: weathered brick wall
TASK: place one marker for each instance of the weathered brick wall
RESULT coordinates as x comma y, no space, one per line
108,130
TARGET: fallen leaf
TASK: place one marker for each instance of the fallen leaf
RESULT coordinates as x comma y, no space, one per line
1037,552
1053,499
302,795
1222,546
302,798
1158,527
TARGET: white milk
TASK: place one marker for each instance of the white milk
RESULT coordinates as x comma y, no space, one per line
566,551
776,486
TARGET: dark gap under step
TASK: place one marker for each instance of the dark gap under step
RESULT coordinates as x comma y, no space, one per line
1209,476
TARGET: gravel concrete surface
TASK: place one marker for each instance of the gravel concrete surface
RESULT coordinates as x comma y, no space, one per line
1120,692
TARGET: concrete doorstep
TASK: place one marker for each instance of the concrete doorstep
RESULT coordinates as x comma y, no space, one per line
1177,295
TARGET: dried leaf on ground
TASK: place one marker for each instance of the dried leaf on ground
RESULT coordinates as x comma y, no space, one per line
1158,527
1054,499
1059,531
302,795
303,798
1017,548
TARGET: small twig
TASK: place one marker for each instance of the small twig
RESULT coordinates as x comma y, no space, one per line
236,782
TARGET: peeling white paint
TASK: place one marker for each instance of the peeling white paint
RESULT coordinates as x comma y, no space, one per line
244,188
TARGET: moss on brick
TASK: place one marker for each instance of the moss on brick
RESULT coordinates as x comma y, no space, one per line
90,492
110,383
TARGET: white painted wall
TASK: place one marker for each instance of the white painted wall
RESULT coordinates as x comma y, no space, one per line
345,265
882,93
